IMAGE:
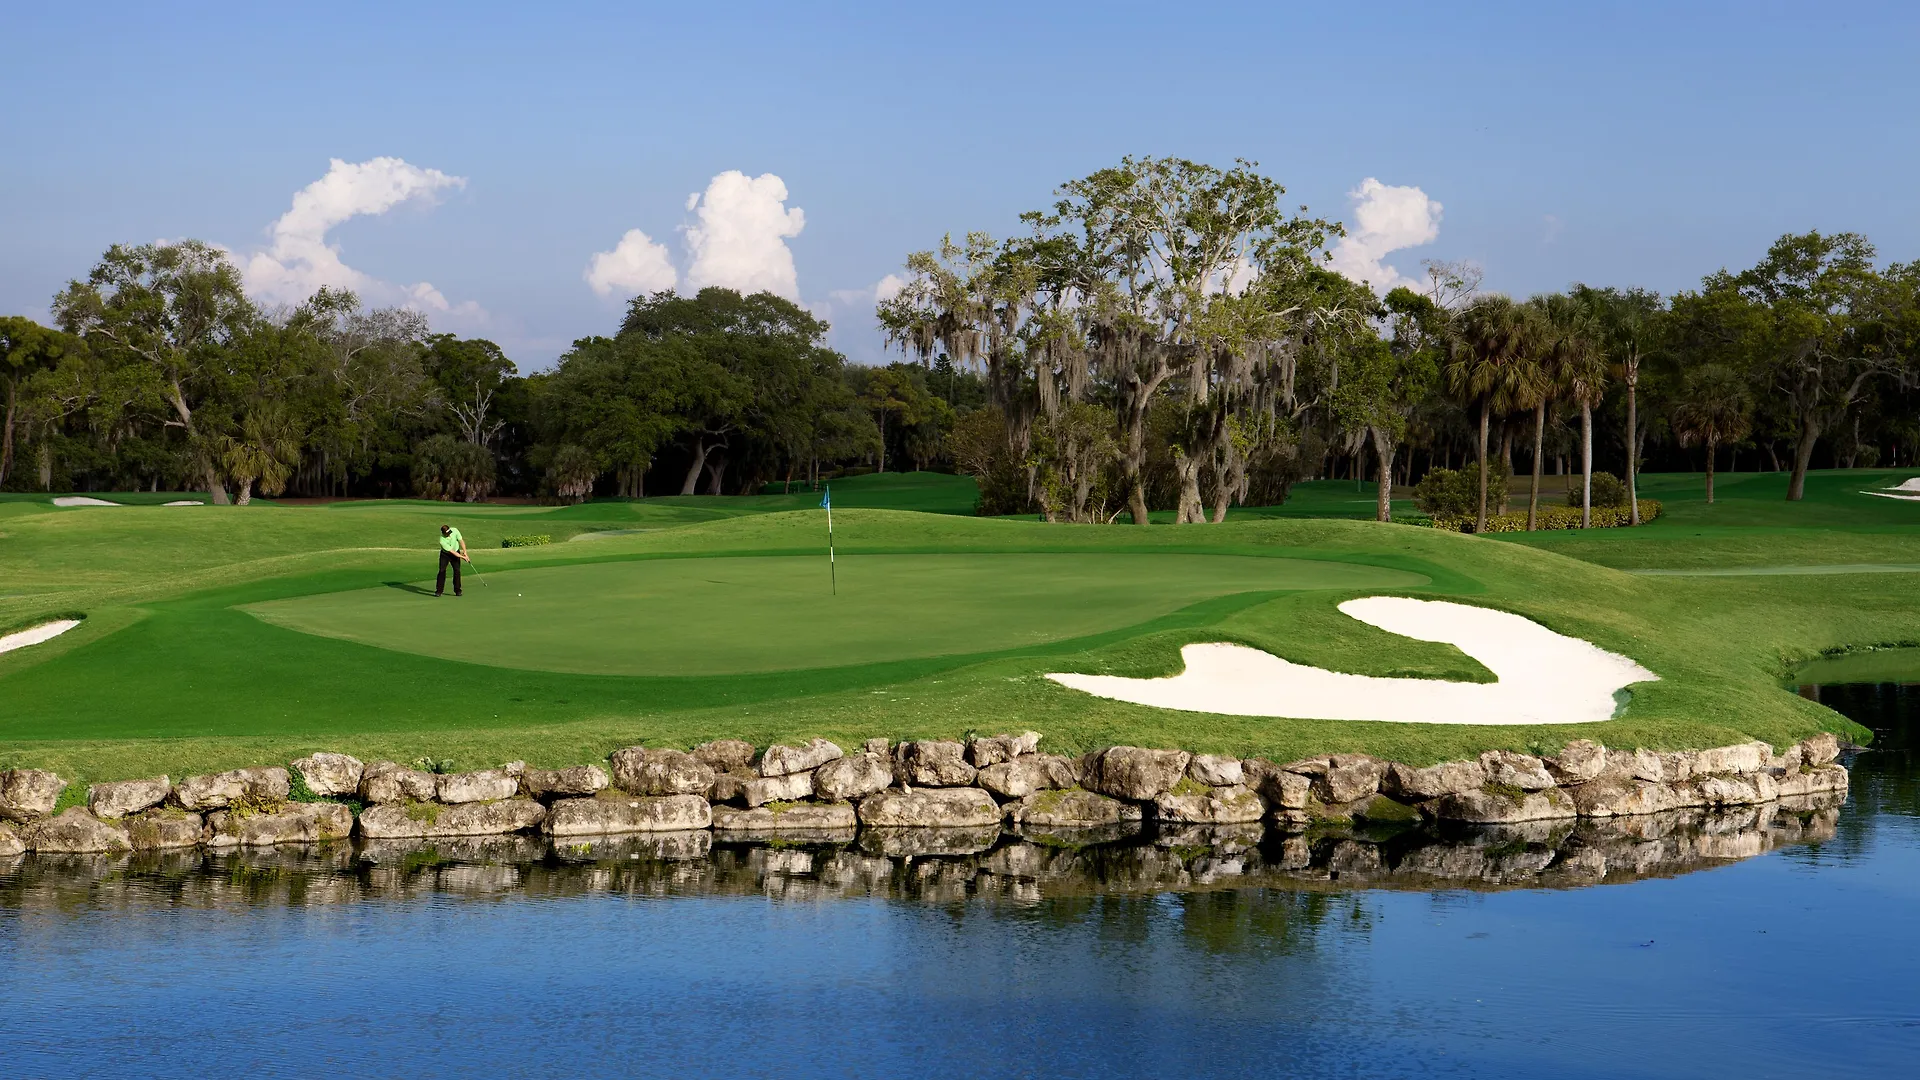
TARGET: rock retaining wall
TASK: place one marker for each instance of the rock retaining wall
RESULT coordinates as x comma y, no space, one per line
898,791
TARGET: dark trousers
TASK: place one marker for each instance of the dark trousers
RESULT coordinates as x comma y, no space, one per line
447,558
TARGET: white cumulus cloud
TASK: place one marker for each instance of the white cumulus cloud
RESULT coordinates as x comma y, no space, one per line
298,259
885,289
739,240
1386,219
637,264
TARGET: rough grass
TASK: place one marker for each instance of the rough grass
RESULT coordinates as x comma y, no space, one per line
170,674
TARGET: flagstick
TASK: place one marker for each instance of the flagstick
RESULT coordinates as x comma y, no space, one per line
833,570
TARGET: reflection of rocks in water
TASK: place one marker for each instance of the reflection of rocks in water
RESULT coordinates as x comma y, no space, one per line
1023,866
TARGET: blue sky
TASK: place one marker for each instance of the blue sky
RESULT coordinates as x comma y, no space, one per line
1612,143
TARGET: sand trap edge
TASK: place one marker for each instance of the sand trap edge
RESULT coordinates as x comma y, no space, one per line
34,635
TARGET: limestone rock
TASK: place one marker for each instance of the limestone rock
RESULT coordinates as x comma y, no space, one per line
1214,806
122,797
1789,759
1639,764
329,775
660,772
1577,762
1132,772
787,760
1488,807
992,750
722,755
1740,758
1802,782
1071,808
294,823
1026,774
390,782
219,790
11,846
1283,789
877,746
852,777
1409,784
937,807
1349,778
932,763
1736,790
396,820
1523,771
610,813
74,831
800,817
1677,766
575,780
28,794
1315,767
731,786
1622,795
1216,770
765,789
168,828
1820,749
1382,808
482,785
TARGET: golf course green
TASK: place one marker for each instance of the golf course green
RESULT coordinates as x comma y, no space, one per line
216,637
749,614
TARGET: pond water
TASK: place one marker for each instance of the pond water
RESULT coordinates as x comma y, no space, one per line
1781,943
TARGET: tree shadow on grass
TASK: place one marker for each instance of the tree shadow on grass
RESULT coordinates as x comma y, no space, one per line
404,586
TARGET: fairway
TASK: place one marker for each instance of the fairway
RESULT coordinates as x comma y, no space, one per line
719,616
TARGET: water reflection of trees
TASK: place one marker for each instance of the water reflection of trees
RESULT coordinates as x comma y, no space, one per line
1231,888
1885,782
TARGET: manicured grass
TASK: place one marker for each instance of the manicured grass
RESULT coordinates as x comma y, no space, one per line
1750,523
955,631
735,615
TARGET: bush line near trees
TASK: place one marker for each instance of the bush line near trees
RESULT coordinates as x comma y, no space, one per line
1554,517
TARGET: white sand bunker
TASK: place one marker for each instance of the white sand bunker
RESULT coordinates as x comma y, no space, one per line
1905,491
186,502
37,634
82,500
1544,677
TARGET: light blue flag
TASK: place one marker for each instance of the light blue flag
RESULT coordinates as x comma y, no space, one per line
826,499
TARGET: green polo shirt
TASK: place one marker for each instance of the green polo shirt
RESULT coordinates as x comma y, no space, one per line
451,541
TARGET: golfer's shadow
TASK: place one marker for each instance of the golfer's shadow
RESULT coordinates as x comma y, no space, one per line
405,586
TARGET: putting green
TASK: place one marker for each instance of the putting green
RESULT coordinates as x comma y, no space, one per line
717,616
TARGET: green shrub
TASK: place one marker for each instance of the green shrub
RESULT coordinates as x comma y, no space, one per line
1550,517
1608,491
1456,492
529,540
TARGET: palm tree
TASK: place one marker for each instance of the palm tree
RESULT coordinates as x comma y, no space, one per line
1483,362
1580,361
1631,322
1538,383
1714,408
267,450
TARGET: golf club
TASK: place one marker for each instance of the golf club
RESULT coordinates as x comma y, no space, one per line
471,565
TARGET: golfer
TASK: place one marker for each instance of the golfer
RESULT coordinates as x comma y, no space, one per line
453,552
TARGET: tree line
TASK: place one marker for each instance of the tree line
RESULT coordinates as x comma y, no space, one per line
1165,335
160,374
